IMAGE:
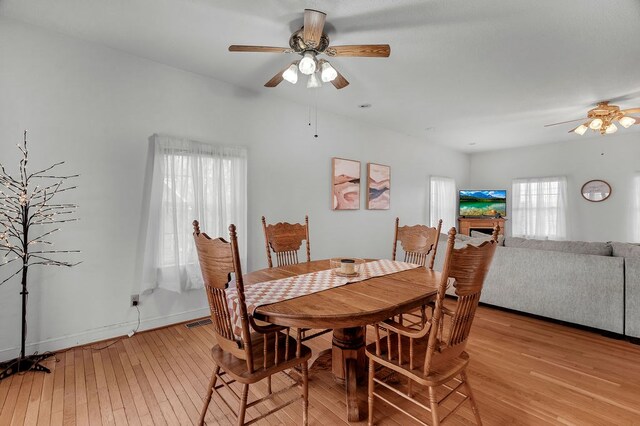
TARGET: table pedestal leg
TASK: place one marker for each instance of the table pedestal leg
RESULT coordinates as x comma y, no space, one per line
349,364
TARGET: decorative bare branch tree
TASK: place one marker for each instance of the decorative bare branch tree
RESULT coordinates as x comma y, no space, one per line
27,209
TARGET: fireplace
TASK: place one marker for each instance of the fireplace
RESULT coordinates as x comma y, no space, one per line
487,231
481,224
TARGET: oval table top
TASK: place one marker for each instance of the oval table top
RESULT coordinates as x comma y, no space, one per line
351,305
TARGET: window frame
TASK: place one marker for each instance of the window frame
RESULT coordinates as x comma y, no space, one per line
539,207
450,222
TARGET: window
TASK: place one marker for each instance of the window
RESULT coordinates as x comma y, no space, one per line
442,202
539,208
191,181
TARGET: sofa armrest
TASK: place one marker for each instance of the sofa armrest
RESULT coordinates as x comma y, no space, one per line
632,288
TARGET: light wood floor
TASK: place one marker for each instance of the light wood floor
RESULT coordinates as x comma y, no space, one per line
523,371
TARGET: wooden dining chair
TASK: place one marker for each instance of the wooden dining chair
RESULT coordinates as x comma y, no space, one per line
420,244
434,356
285,240
256,355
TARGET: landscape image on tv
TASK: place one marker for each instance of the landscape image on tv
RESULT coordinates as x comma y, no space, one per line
483,203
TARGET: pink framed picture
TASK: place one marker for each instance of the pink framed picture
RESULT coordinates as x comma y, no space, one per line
378,186
345,184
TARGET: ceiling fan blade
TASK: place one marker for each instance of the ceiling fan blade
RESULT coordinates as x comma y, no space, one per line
625,98
262,49
277,79
313,27
631,111
565,122
362,50
339,82
634,115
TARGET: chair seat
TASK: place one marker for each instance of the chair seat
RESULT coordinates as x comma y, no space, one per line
441,372
237,368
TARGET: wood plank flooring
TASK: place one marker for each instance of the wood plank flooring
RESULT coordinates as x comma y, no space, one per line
523,371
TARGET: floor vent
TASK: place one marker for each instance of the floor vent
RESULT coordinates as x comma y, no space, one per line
198,323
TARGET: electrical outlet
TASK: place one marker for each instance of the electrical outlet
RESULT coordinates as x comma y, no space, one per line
135,299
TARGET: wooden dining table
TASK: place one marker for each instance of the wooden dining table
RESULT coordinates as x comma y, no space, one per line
347,310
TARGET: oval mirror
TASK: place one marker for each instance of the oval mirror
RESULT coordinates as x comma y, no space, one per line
596,190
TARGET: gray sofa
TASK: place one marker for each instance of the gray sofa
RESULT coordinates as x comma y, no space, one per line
578,282
631,255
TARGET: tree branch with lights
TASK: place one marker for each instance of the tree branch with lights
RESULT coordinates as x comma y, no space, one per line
27,208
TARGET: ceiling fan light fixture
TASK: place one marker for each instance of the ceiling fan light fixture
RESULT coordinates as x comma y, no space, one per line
595,124
581,129
327,72
627,121
313,82
611,128
605,119
307,65
291,74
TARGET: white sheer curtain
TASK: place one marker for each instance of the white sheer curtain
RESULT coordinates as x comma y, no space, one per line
191,180
635,211
539,208
442,202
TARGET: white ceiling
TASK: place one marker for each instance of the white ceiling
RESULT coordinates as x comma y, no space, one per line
487,72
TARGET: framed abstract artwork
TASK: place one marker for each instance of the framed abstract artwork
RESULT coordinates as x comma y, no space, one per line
378,186
345,184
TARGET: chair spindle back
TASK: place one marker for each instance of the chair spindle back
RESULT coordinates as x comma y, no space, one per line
467,267
285,240
419,242
218,260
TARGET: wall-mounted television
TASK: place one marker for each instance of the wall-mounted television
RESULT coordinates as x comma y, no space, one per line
474,202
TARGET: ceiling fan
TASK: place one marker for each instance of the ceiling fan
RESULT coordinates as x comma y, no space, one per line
309,42
602,119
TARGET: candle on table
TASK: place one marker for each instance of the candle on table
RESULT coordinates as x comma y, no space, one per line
348,266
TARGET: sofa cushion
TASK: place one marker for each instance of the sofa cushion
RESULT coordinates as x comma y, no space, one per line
459,237
625,249
487,237
462,240
577,247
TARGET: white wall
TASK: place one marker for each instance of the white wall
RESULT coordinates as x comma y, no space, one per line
95,108
613,158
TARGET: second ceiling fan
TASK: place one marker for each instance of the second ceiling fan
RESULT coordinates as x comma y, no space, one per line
309,42
602,119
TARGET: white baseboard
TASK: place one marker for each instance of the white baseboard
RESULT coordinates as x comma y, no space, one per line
102,333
